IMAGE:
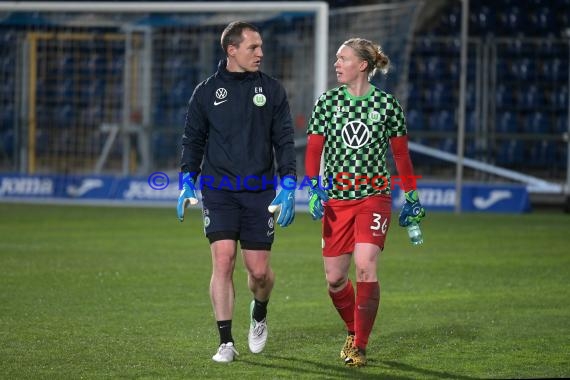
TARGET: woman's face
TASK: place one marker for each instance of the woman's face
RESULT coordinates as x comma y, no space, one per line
348,67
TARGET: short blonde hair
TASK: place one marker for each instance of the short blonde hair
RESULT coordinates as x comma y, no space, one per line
371,53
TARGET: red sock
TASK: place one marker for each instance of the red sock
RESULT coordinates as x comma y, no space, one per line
367,301
344,303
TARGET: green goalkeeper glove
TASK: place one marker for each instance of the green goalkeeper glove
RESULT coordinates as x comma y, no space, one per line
316,198
412,211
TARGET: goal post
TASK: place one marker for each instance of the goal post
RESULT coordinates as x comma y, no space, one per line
103,86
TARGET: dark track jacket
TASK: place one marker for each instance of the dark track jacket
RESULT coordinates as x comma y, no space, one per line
237,126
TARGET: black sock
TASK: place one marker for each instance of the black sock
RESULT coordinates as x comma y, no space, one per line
259,310
225,331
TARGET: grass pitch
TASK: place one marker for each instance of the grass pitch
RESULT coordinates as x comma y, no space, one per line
94,292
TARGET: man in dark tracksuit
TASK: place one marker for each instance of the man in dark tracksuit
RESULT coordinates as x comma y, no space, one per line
238,124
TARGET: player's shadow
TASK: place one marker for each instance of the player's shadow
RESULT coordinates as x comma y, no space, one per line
405,342
339,370
321,370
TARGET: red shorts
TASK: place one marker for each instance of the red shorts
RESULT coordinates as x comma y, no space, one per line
347,222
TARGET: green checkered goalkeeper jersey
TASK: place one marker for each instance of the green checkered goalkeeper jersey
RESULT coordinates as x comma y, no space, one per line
357,130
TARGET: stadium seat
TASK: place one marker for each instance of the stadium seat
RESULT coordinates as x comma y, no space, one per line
482,21
542,22
415,120
531,98
63,116
547,48
414,96
7,117
450,21
559,98
449,145
504,97
179,94
559,70
439,96
506,122
504,68
524,69
65,65
471,121
561,123
434,69
536,122
510,20
96,66
117,65
541,154
65,90
7,142
510,153
442,120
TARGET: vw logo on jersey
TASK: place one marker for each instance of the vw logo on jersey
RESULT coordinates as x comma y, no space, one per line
221,93
355,134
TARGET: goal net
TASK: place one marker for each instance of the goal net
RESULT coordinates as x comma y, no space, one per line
102,87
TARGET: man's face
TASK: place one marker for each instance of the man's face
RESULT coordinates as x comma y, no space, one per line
247,56
348,66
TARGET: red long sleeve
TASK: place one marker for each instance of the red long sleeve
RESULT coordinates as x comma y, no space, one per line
403,162
315,145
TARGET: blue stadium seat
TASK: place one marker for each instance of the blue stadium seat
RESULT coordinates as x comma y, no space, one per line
504,96
65,90
482,21
65,65
434,69
439,96
506,122
510,20
510,153
93,90
542,22
536,122
504,68
414,96
442,120
117,65
7,117
7,140
64,115
415,120
542,154
471,121
448,144
561,123
524,69
559,98
531,98
558,70
450,21
96,65
180,93
548,48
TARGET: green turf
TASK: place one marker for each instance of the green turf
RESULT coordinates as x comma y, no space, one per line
93,292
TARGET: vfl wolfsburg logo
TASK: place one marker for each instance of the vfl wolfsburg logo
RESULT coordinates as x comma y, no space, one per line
259,100
355,134
374,116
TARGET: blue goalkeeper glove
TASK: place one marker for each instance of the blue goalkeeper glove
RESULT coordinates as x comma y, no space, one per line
285,201
316,198
187,195
412,211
